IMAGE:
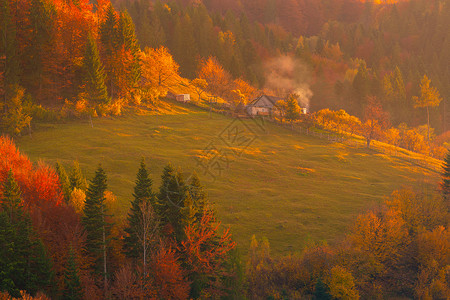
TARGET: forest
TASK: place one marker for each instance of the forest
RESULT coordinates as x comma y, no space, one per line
374,70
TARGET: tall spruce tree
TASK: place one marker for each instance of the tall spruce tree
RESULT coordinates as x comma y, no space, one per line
142,194
94,75
24,263
63,180
109,42
445,185
76,178
95,225
72,285
174,204
11,198
198,195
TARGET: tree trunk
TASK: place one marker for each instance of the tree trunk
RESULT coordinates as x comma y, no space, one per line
104,254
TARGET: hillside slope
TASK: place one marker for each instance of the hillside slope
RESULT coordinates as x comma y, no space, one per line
291,188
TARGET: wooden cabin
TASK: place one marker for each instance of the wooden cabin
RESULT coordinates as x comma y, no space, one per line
262,106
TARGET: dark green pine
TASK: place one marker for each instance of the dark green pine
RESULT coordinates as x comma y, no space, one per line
108,31
76,178
24,263
321,291
94,75
142,193
94,219
198,195
127,37
170,200
445,185
63,180
72,284
11,198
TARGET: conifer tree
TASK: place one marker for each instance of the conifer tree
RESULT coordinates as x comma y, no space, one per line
72,285
142,193
24,263
109,42
64,180
94,75
95,225
127,37
174,204
198,195
292,108
76,178
445,185
11,198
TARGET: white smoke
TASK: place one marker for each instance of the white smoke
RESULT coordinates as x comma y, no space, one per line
286,75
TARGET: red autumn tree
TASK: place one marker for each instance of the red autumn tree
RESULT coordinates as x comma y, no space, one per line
205,251
376,120
56,222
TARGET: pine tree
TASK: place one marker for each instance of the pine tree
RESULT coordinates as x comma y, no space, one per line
142,193
198,195
128,39
321,291
11,198
72,285
76,178
94,75
109,42
292,108
445,185
95,225
24,263
173,198
63,180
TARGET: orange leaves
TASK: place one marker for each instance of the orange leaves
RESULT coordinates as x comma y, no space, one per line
57,223
203,247
159,70
215,75
168,276
381,236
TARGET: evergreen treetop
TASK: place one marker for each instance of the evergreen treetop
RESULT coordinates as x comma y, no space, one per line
94,75
93,219
11,198
142,193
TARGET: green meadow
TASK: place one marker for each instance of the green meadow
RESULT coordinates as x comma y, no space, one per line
263,179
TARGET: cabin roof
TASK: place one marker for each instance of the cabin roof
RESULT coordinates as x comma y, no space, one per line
265,101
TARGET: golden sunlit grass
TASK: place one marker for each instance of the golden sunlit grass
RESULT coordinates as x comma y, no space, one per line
289,187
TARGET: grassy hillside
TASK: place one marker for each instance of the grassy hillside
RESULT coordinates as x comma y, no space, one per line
291,188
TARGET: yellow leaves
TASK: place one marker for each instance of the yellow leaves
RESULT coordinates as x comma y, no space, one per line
110,199
77,200
429,96
380,236
159,69
342,284
435,246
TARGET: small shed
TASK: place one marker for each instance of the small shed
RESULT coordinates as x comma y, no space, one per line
183,98
262,106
